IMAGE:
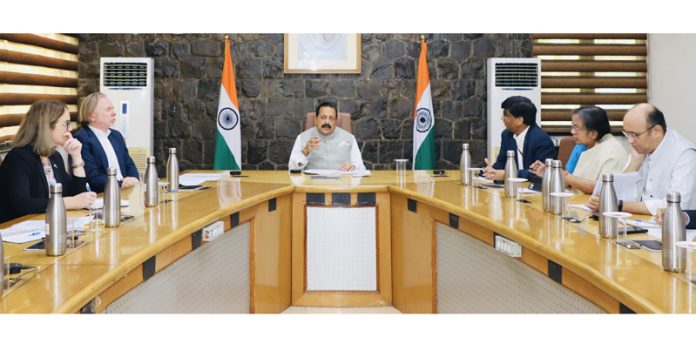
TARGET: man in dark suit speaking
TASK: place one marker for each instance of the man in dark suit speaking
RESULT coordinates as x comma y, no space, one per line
523,136
103,147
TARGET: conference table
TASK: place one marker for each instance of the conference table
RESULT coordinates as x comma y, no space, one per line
268,240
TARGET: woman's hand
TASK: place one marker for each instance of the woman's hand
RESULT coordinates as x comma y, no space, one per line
82,200
73,146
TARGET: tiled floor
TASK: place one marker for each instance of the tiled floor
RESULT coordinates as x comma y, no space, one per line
341,310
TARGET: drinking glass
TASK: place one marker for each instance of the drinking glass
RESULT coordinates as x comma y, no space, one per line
401,167
516,181
621,217
472,173
563,196
163,189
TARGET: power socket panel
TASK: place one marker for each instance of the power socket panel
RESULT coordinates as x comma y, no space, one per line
508,247
213,231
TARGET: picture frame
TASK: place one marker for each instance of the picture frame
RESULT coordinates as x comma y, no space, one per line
322,53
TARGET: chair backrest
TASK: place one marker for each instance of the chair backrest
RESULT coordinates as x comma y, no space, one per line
565,148
342,122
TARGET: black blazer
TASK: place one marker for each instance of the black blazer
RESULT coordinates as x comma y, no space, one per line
692,219
23,185
537,146
96,162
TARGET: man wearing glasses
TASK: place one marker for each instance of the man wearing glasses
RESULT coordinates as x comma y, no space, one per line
665,161
325,146
523,136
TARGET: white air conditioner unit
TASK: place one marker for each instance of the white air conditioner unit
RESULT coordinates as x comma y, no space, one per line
509,77
129,83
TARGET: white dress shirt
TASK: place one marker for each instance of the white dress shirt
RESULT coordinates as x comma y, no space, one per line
103,137
519,139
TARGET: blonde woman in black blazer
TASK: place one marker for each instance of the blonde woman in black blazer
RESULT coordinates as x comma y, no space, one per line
33,162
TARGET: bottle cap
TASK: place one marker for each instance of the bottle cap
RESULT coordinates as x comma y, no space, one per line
607,177
150,159
557,163
111,171
465,146
674,197
548,162
57,188
511,153
172,150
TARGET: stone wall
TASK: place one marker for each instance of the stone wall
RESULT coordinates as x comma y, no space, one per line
273,105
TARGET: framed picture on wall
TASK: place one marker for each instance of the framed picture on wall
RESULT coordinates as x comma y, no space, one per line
322,53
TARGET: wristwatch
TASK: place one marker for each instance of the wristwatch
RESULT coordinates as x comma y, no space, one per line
78,165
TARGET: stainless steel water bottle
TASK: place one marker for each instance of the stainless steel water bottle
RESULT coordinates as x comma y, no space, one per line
151,183
464,165
173,171
607,203
56,223
510,172
546,186
557,184
112,199
673,231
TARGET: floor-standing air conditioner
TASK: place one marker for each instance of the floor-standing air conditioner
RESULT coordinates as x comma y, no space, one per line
129,83
509,77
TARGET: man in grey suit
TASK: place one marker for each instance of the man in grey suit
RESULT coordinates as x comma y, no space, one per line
325,146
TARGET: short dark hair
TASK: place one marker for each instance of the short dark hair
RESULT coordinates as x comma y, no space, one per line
655,117
327,104
594,118
520,106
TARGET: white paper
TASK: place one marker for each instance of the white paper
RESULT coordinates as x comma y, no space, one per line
357,173
197,179
657,233
23,232
322,172
582,207
526,191
687,245
643,224
354,173
625,186
78,222
482,180
99,203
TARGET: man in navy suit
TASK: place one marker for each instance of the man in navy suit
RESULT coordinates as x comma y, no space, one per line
103,147
523,136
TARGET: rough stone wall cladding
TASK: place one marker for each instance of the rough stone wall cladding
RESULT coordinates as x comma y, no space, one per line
273,105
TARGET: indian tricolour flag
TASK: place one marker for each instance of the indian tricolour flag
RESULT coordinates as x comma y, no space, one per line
424,120
228,137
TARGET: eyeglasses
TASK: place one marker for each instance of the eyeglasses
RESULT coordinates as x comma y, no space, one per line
635,136
65,124
576,128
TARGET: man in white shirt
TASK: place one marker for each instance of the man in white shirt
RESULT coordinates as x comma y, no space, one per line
103,147
664,160
325,146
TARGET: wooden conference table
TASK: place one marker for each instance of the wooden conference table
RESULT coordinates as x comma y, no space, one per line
434,253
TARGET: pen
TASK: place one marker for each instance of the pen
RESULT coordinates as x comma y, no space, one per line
87,187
